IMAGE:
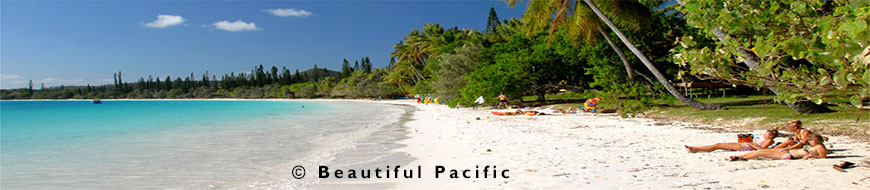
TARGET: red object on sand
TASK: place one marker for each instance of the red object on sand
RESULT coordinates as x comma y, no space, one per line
498,113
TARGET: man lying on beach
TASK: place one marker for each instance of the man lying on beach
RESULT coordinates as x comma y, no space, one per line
520,112
815,150
800,136
766,143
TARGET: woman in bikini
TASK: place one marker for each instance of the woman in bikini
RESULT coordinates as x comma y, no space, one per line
766,143
800,136
815,150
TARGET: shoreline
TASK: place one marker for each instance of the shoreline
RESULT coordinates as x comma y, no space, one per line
371,152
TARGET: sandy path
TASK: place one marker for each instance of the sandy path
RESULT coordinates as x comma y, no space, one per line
604,152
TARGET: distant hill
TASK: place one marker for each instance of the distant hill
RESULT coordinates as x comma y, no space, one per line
320,72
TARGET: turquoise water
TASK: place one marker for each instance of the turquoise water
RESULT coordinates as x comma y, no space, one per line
173,144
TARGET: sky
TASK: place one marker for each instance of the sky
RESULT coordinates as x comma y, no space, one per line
85,42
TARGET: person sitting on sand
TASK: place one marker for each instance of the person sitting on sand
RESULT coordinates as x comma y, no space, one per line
815,150
591,104
502,101
759,144
800,136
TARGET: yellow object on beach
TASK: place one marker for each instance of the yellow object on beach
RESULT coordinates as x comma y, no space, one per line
436,100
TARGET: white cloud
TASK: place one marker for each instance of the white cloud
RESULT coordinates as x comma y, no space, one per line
164,21
15,81
9,76
288,12
236,26
51,82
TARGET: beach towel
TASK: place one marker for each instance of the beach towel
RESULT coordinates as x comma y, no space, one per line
591,104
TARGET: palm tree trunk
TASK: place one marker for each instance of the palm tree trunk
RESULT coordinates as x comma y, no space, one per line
402,89
416,73
618,52
649,65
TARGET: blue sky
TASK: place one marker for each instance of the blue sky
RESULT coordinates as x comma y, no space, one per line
78,43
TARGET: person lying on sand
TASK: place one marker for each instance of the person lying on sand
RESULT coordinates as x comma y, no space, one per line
570,110
800,136
766,143
521,112
518,112
815,150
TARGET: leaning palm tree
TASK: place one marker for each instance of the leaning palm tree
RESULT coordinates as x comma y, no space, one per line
583,23
406,55
577,18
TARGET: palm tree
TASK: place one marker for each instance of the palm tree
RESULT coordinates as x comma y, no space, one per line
406,55
576,17
419,46
397,77
583,24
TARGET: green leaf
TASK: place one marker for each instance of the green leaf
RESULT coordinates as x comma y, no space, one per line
856,101
857,27
825,81
867,75
822,71
798,7
840,79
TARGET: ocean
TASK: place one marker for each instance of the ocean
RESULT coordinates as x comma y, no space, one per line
186,144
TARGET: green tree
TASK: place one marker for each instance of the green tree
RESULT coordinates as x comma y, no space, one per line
454,69
274,73
492,21
356,66
563,9
802,51
168,82
521,66
30,87
367,65
345,68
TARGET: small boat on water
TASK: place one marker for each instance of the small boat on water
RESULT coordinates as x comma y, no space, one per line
96,101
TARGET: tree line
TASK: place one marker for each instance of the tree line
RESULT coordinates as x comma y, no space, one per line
260,82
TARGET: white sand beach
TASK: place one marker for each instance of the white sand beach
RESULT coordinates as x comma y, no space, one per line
591,151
